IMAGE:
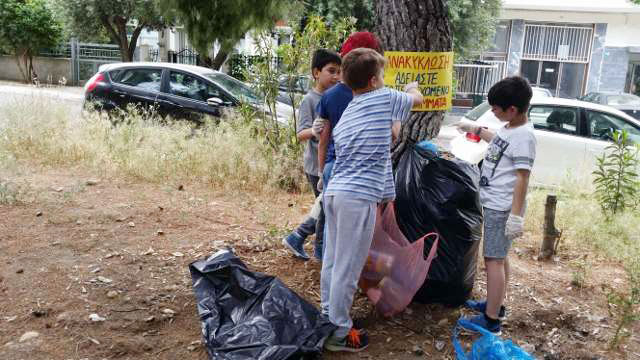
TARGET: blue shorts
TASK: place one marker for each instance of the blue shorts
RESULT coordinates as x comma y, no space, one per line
495,244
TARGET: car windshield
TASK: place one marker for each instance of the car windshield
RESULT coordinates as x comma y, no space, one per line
478,111
623,99
238,89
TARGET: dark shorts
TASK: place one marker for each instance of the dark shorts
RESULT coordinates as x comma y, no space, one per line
496,245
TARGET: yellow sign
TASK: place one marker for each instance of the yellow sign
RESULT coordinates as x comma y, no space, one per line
432,70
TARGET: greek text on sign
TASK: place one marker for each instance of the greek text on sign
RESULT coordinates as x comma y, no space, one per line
432,70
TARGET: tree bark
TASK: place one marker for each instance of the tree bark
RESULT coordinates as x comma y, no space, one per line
414,25
219,59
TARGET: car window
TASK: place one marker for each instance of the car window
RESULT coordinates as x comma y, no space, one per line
191,87
148,79
240,90
558,119
601,125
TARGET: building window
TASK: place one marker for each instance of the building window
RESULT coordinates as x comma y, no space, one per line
557,42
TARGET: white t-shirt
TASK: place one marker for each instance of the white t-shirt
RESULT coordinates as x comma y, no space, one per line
510,149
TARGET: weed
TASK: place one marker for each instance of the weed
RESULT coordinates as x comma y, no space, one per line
623,305
580,272
616,179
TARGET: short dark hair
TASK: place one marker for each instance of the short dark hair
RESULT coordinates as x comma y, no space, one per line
359,66
511,91
323,57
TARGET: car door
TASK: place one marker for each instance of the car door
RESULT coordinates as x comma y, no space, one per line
137,86
599,127
186,95
560,152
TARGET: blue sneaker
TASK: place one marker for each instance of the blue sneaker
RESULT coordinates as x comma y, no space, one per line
295,242
481,321
481,307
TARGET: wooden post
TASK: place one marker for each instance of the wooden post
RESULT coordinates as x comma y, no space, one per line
551,234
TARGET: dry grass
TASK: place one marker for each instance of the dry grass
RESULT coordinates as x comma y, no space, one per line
229,155
584,226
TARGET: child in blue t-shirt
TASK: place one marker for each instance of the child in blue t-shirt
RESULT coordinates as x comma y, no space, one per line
361,178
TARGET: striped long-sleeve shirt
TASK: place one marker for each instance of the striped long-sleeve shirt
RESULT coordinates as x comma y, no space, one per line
363,145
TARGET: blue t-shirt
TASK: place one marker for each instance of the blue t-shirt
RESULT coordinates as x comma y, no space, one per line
363,145
333,103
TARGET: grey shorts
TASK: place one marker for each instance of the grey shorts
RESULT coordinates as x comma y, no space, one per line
496,245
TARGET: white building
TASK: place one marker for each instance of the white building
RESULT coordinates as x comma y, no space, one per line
570,47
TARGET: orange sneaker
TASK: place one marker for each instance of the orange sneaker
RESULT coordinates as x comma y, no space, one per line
355,341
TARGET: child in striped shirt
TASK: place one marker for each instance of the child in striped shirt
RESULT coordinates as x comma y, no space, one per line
361,178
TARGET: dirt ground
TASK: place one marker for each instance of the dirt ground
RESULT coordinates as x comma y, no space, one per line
121,250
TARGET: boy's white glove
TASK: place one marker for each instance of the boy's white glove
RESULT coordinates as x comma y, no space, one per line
514,227
410,86
317,127
320,185
466,127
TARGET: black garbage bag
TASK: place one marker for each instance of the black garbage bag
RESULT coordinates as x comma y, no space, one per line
435,194
249,315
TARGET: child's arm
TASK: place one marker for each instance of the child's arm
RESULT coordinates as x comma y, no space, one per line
323,144
520,191
305,135
485,134
305,121
413,90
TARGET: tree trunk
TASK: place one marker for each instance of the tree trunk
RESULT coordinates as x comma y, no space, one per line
414,25
551,234
220,58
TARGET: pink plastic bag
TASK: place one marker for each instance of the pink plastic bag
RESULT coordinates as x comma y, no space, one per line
395,268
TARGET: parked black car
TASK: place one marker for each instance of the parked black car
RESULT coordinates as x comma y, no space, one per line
176,90
627,103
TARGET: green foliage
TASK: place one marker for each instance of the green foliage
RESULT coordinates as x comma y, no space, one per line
623,304
224,22
26,27
616,177
473,23
317,34
334,11
116,19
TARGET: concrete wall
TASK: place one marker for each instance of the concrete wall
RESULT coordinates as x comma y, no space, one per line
615,65
43,66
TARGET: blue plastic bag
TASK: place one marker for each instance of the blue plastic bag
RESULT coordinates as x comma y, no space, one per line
488,347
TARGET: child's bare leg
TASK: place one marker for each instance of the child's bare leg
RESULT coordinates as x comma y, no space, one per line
496,285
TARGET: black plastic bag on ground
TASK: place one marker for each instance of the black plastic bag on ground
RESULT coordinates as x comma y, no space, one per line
438,195
250,315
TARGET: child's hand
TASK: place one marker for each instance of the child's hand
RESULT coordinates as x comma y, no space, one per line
317,127
514,227
410,86
465,127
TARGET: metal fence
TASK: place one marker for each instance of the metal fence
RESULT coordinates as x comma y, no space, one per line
85,58
238,64
477,78
557,43
184,56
